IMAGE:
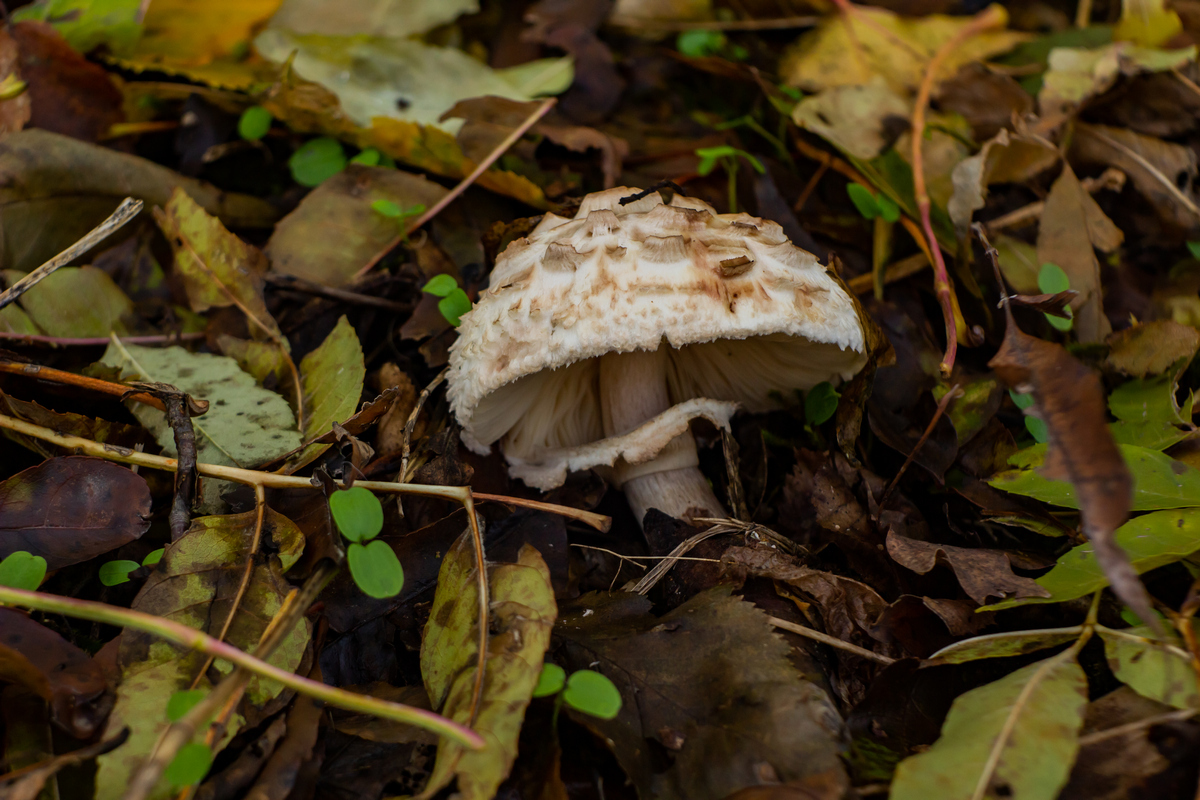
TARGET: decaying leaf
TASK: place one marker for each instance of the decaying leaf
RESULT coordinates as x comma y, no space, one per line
523,612
982,573
332,377
1005,158
195,585
1157,669
77,301
853,117
1151,348
391,18
693,680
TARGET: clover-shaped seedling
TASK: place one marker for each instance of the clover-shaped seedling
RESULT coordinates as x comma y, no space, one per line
1035,425
317,160
1052,280
117,572
820,403
358,514
701,43
586,691
454,302
872,205
393,211
372,157
193,761
729,158
22,570
254,123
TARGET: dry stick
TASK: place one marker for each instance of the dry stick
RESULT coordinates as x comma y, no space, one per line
500,150
1083,14
1112,178
128,209
411,423
193,639
949,397
90,341
294,284
832,641
82,381
185,477
993,17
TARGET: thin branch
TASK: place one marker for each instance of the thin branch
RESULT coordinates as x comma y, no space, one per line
128,209
119,390
292,283
483,166
948,398
832,641
92,341
196,640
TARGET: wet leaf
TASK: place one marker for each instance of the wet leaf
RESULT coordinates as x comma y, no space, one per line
688,679
217,267
33,656
195,585
1016,737
332,378
71,509
523,611
982,573
1151,541
1152,668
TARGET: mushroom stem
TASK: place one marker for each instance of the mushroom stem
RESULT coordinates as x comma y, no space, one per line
633,389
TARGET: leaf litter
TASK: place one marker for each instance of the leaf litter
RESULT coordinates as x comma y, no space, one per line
981,592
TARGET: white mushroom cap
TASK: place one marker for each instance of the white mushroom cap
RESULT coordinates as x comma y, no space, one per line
748,315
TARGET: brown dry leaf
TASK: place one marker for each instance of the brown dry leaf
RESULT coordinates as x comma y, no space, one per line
1069,397
981,572
335,231
1006,158
1072,223
69,94
390,436
987,99
15,111
1151,348
1163,172
67,678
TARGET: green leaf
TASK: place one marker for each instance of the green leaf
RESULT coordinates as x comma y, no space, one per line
153,557
523,612
369,157
754,162
1002,645
887,209
1194,249
1151,541
1159,481
1060,324
332,379
705,166
592,693
375,569
700,43
1150,667
454,305
551,681
1021,401
254,123
184,701
542,77
820,403
1017,737
317,160
1037,429
76,302
113,573
87,24
440,285
1052,279
720,151
357,512
863,200
190,765
387,208
1149,399
22,570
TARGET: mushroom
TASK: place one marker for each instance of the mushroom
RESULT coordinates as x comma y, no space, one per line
601,337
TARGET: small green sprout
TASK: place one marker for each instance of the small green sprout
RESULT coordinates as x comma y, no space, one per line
454,302
1035,425
22,570
254,123
729,159
317,160
871,205
393,211
114,573
190,765
1194,249
701,44
1052,280
586,691
374,567
820,403
182,702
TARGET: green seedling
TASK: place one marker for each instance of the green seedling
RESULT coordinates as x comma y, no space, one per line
189,766
701,44
22,570
317,160
1194,249
820,403
114,573
374,567
254,123
182,702
372,157
392,211
729,158
871,205
586,691
1035,425
454,302
1052,280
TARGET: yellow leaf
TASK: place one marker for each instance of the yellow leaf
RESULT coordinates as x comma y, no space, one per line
848,49
1147,22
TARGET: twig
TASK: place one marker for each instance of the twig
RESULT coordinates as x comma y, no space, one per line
1112,178
484,606
487,162
185,477
832,641
82,381
295,284
411,423
1137,725
670,25
899,270
128,209
91,341
597,521
193,639
949,397
990,18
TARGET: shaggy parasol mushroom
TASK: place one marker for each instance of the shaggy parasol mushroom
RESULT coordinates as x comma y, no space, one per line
601,337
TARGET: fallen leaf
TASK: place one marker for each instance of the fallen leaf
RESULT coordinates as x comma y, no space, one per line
332,377
396,19
853,117
1151,347
266,361
195,584
1005,158
98,430
87,24
1075,74
33,656
27,784
987,99
335,231
1147,22
1002,645
694,679
523,612
1016,737
1071,224
983,573
14,111
71,509
77,302
1151,541
54,189
1153,668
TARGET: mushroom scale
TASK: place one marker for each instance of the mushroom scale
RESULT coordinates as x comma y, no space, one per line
601,337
